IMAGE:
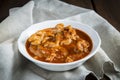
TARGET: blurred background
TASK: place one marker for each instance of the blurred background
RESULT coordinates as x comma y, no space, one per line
109,9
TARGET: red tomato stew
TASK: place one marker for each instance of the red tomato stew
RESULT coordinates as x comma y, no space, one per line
61,44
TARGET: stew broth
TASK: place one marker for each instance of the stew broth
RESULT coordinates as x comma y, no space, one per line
59,44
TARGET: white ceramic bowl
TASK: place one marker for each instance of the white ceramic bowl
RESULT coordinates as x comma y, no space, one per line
58,66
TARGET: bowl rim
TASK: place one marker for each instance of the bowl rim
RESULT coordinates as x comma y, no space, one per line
61,64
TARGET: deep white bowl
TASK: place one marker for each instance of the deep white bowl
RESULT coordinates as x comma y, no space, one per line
58,66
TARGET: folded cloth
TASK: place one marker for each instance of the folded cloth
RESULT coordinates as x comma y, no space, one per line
13,66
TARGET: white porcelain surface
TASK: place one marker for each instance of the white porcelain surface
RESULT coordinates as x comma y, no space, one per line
53,66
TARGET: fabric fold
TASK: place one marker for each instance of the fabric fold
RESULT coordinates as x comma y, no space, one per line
17,22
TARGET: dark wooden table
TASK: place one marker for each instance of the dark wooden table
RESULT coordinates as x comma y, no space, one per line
109,9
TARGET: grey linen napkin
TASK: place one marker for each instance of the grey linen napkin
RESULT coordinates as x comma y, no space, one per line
13,66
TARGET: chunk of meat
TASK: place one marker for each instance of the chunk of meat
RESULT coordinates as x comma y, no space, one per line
70,33
63,51
82,45
36,39
51,57
50,44
35,51
59,27
68,59
66,42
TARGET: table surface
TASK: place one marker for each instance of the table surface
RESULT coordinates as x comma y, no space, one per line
107,9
